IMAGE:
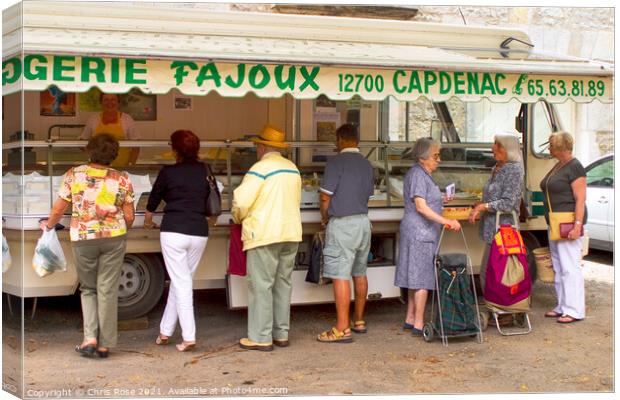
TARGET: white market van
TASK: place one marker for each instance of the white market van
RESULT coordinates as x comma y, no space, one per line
224,75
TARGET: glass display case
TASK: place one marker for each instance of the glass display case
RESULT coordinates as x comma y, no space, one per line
229,161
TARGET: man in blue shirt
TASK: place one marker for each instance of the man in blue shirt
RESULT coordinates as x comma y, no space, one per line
347,185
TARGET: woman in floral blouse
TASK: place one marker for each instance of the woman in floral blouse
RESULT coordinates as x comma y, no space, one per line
502,192
102,212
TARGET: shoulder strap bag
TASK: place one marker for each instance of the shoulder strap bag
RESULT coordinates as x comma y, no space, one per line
213,202
560,223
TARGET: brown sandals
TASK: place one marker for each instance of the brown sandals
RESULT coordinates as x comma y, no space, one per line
335,336
359,326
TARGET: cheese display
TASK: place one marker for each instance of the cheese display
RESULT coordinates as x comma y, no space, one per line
459,213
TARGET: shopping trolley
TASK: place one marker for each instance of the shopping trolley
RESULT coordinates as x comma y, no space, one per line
501,306
454,304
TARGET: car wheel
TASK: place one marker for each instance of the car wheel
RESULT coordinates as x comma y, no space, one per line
141,285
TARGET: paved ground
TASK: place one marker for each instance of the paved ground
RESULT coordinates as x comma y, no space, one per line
552,358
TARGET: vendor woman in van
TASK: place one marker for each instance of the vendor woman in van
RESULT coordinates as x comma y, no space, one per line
120,125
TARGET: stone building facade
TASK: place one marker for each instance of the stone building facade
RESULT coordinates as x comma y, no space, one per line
577,32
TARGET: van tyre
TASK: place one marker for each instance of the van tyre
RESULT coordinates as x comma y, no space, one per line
141,285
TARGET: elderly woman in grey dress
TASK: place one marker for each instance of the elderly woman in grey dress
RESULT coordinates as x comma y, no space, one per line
420,229
502,192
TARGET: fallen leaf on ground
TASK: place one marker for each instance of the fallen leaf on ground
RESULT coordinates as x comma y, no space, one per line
137,352
194,361
297,377
583,379
432,360
523,388
11,341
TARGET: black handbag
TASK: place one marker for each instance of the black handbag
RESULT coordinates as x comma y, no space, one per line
213,202
315,270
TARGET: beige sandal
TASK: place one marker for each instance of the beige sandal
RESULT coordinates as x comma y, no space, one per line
335,336
161,340
186,346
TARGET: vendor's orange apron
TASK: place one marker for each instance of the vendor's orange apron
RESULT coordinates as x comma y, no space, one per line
116,130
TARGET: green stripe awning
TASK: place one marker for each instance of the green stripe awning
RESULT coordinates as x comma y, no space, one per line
73,73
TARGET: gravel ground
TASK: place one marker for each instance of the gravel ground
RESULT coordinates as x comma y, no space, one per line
552,358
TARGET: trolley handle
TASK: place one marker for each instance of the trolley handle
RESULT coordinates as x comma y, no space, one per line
443,229
514,218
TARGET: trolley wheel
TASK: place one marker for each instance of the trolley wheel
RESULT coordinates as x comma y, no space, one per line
484,320
427,332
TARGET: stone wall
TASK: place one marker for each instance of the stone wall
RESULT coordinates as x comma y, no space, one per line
578,32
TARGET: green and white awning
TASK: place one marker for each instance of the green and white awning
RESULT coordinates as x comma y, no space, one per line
302,81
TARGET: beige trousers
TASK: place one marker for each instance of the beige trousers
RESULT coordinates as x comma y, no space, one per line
99,269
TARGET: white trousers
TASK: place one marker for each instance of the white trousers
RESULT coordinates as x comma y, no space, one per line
569,283
182,254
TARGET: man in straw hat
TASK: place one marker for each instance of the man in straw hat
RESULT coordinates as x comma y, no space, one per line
346,187
268,203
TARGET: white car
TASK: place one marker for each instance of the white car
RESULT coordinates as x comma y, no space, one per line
600,203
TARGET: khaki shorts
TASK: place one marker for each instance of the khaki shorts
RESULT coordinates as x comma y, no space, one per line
347,244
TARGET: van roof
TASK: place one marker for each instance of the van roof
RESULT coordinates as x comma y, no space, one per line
409,55
160,31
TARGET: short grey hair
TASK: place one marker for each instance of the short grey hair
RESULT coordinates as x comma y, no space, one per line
422,148
510,142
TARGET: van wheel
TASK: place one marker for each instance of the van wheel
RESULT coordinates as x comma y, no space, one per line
141,285
531,243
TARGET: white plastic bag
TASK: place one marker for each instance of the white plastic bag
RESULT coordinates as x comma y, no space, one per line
6,255
48,255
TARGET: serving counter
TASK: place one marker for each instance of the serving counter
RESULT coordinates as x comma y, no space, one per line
29,193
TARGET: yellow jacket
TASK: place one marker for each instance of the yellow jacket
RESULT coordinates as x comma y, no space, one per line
268,202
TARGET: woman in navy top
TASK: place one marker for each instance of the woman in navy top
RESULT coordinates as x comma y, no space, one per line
184,231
